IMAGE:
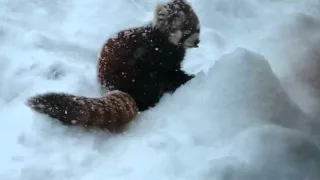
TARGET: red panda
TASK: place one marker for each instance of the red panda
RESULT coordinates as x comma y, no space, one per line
138,65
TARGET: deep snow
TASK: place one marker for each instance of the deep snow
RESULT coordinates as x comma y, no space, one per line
251,112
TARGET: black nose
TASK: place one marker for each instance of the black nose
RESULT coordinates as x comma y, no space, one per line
196,43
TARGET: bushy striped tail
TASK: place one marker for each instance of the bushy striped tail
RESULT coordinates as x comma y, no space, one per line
112,111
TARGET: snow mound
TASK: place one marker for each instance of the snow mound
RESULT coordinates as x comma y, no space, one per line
235,122
241,89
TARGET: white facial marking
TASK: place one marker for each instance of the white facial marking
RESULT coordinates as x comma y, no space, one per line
190,42
175,37
198,26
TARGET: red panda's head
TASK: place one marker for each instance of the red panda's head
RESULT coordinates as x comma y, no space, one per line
179,21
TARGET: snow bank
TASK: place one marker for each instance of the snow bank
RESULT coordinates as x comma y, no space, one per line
240,87
236,121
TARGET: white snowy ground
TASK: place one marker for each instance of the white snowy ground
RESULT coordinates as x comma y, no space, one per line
251,116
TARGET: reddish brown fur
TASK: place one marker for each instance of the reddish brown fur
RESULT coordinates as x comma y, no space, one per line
111,112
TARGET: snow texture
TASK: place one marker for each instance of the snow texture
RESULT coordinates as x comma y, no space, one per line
252,112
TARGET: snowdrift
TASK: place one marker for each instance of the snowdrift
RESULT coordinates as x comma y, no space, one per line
243,124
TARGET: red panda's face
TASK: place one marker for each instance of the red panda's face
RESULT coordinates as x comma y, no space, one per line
187,35
191,38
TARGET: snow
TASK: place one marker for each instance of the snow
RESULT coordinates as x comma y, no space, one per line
250,113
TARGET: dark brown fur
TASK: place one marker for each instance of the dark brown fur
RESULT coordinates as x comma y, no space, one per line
143,63
136,68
